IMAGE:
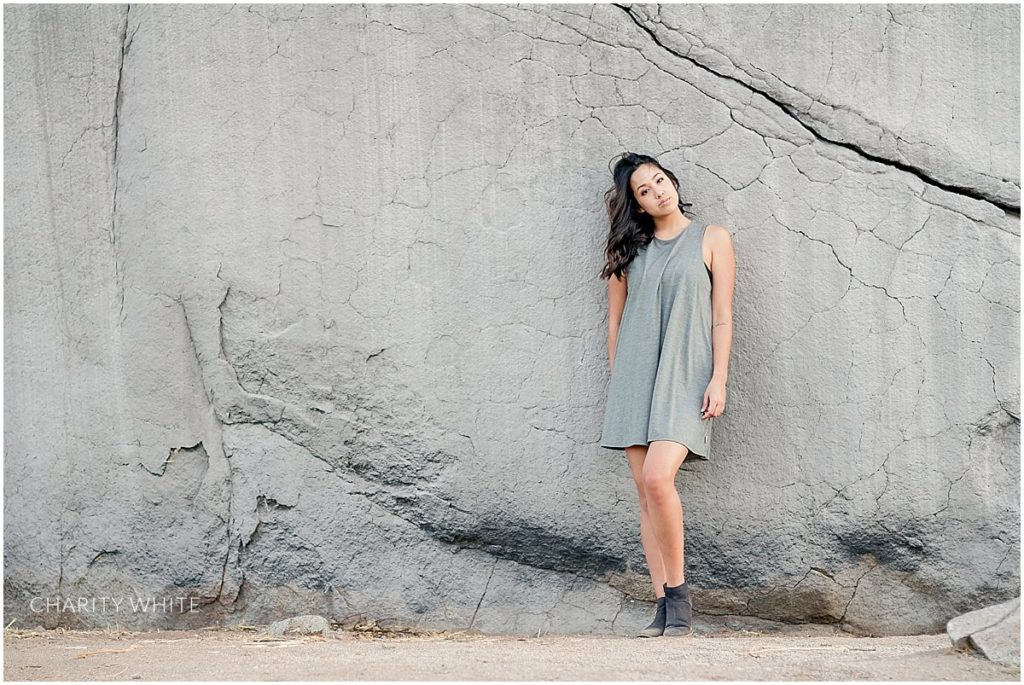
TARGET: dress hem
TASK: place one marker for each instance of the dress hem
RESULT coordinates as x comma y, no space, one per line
690,452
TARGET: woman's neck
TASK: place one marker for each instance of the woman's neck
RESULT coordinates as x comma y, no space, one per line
670,226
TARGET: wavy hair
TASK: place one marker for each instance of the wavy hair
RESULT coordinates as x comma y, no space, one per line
629,230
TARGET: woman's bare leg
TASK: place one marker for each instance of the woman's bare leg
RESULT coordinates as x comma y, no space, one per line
636,455
658,475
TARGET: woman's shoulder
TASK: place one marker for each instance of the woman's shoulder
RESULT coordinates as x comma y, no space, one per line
640,252
718,236
717,229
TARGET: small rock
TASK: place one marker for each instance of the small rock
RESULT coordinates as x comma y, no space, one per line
994,631
309,624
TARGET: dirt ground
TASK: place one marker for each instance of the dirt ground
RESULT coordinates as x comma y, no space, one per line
247,653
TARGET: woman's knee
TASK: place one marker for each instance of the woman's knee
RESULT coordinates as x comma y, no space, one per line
642,496
656,483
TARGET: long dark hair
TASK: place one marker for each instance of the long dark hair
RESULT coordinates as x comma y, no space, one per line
629,230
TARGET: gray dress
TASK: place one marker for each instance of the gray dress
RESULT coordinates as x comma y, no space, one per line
663,355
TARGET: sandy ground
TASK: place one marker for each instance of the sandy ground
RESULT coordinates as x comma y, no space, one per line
247,653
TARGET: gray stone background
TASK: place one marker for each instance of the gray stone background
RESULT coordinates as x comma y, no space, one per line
302,312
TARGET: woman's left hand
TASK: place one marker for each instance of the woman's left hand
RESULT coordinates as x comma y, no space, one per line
714,400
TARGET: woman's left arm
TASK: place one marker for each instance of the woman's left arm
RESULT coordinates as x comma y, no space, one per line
723,283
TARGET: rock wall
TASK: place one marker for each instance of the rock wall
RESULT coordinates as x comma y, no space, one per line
303,315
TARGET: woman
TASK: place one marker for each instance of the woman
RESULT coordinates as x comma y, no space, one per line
669,336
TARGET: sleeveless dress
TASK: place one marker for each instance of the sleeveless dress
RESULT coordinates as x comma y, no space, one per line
663,355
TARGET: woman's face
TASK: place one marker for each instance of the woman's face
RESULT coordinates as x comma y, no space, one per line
653,190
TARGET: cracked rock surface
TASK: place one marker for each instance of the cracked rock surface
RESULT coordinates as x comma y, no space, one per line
993,631
302,314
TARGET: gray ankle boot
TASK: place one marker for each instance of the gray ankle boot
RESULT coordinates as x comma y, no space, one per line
658,625
678,611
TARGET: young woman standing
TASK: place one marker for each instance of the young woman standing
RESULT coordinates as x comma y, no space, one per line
669,337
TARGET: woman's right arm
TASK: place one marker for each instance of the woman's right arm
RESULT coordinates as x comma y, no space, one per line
617,290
